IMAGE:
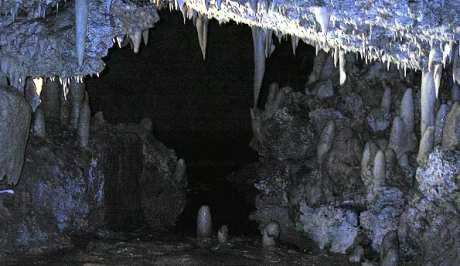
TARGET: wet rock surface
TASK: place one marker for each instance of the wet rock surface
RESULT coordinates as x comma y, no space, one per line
108,248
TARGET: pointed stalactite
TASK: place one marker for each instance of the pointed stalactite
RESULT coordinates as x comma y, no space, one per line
39,125
325,141
322,15
447,52
294,43
434,58
218,4
342,64
202,30
108,6
428,99
437,78
441,117
136,39
426,145
84,123
77,93
258,36
254,4
81,28
145,37
269,46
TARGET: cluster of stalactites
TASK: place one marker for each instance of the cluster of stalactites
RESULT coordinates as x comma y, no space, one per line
66,101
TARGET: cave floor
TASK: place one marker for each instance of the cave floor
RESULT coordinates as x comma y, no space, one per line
170,249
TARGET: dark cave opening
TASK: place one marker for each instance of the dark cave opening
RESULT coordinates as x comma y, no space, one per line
198,108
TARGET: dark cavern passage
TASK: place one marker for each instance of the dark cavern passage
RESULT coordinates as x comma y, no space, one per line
198,108
236,132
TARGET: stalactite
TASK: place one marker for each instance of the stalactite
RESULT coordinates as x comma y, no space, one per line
77,93
202,30
269,46
437,78
32,94
325,141
270,234
322,15
342,67
204,222
136,39
426,145
294,43
84,123
145,37
39,125
441,117
254,4
258,36
108,5
428,98
81,27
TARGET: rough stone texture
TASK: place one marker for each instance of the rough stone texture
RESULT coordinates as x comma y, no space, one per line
451,132
329,226
46,47
124,174
15,118
429,227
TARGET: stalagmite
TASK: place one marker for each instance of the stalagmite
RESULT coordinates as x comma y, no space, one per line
379,170
451,131
294,43
407,111
39,125
369,152
342,63
204,222
136,39
84,123
437,74
398,140
51,100
270,234
222,234
325,141
428,98
322,15
441,117
455,92
258,36
77,93
426,145
202,30
386,100
81,27
318,64
145,37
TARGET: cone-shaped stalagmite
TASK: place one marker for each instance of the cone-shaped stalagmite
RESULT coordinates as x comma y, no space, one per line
441,117
84,123
407,111
77,93
367,162
325,141
258,36
386,100
204,222
426,145
451,131
379,171
202,30
81,27
428,99
51,99
398,139
39,125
